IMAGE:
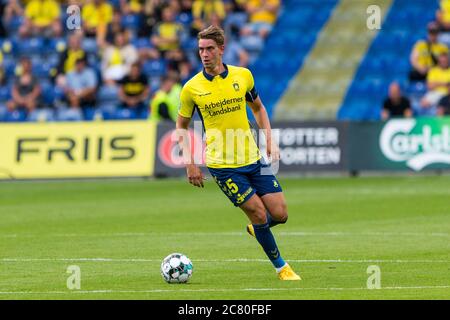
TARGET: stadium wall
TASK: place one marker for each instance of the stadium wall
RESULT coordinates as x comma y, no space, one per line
144,149
77,150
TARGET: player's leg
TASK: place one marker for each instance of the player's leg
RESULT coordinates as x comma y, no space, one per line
275,204
256,212
271,193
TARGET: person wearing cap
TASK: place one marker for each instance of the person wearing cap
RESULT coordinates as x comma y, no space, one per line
425,52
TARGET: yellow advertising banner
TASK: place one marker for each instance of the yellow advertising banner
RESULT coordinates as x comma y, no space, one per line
77,149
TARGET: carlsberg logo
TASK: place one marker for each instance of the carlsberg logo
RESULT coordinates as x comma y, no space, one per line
416,144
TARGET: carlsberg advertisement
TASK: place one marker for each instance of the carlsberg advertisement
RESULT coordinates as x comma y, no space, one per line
408,144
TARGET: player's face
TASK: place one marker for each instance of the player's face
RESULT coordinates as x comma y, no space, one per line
210,53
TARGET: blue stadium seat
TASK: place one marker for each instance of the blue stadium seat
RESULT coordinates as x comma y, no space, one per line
15,23
184,18
15,116
5,93
131,21
140,43
48,93
108,94
125,114
90,45
31,46
154,68
9,66
55,45
92,113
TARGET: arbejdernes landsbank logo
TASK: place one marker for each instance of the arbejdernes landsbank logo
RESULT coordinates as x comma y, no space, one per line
417,142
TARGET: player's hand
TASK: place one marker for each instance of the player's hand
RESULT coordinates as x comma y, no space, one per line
273,152
195,175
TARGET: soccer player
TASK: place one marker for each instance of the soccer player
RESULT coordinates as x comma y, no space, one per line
219,93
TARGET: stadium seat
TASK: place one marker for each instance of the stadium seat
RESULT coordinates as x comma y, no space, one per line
90,45
131,21
30,46
107,94
55,45
15,23
15,116
140,43
125,114
184,18
403,26
154,68
5,93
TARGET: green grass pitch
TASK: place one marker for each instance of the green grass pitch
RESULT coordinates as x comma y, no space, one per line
118,231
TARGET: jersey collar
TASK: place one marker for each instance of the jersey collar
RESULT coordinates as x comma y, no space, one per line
223,74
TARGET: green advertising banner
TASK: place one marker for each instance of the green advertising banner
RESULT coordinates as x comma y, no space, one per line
400,144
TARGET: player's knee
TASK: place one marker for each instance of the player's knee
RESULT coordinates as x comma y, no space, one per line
282,213
258,215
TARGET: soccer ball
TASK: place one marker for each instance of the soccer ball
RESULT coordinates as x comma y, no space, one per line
176,268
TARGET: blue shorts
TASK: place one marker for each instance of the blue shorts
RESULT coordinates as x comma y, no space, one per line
239,184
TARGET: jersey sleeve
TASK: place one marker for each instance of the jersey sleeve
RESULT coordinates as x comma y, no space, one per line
251,93
186,108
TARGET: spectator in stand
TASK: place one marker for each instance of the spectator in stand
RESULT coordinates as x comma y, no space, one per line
437,82
164,105
96,16
396,105
178,62
203,12
236,17
80,90
114,27
42,17
117,58
134,91
166,35
424,54
68,57
2,71
443,15
2,22
132,6
26,91
444,105
151,15
235,54
12,9
185,6
262,14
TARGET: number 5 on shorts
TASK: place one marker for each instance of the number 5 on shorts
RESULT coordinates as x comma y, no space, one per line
232,186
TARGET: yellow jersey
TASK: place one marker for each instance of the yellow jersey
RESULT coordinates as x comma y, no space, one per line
423,50
221,103
264,16
94,15
445,10
438,74
42,13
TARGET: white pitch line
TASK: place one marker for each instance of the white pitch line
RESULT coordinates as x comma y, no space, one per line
218,290
209,234
220,260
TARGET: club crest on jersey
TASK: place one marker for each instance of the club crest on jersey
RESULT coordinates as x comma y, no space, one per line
236,86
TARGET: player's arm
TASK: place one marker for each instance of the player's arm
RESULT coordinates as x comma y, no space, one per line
194,174
262,119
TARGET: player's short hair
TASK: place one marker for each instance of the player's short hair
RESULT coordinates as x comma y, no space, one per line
214,33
